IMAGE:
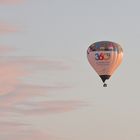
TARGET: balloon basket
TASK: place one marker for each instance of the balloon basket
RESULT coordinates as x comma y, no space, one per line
104,85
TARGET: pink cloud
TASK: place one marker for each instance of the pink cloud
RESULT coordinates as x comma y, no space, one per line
16,94
11,2
41,136
61,106
6,49
49,107
41,62
10,74
25,92
13,69
38,62
11,127
7,28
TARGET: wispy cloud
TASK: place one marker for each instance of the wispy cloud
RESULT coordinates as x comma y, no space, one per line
36,135
17,95
11,2
6,49
49,107
21,93
8,28
11,127
10,74
13,69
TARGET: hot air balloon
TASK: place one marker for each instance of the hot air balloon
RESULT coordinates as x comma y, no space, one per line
105,57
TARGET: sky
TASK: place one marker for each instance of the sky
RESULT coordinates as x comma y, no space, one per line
48,90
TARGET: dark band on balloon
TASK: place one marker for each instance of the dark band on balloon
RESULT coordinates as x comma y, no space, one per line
105,46
104,77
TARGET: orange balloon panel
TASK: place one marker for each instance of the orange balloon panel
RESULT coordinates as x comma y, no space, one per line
105,57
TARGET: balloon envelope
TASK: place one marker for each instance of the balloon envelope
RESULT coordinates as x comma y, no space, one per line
105,57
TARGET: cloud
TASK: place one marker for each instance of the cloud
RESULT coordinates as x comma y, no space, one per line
7,28
25,92
11,127
42,136
17,96
38,62
49,107
15,130
13,69
13,90
11,2
10,74
18,131
6,49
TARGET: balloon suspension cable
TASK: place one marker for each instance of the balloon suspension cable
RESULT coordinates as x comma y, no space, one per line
104,85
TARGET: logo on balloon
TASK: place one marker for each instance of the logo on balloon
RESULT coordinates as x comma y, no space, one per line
102,56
